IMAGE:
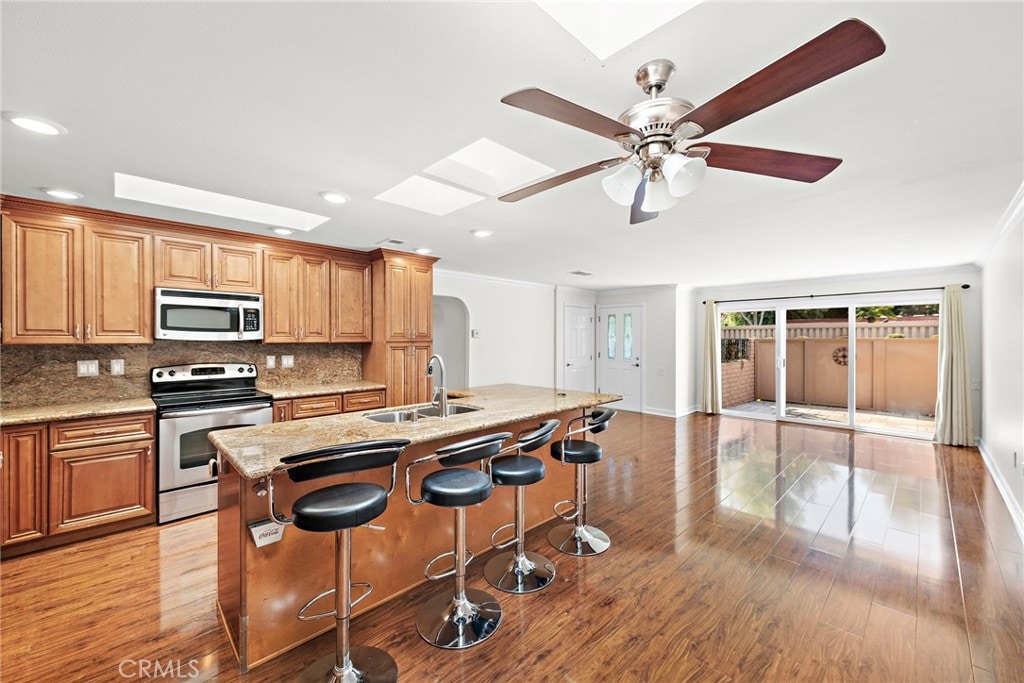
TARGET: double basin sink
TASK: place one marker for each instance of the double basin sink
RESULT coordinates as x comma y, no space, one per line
413,414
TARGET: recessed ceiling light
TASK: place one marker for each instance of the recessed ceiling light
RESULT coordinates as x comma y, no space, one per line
334,197
481,233
202,201
35,124
62,194
428,196
423,250
281,231
486,166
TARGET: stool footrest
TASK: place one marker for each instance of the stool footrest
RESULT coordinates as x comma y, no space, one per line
450,572
310,617
565,515
506,544
369,589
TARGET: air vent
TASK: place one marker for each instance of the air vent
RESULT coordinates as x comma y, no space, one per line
580,273
390,242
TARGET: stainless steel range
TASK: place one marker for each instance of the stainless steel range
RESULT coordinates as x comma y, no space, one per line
192,401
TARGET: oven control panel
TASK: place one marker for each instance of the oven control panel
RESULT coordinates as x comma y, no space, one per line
205,371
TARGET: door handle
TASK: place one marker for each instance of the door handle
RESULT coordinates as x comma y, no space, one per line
212,468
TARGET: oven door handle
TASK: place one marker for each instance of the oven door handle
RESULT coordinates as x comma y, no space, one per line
211,411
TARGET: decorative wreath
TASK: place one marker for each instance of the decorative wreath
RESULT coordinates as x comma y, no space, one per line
841,356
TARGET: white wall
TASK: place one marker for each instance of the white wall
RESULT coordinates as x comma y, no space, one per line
516,325
660,352
1002,423
575,297
867,283
451,339
687,372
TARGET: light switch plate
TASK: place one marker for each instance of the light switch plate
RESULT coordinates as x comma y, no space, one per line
271,362
88,368
287,361
117,366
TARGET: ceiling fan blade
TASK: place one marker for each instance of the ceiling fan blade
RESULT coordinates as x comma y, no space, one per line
555,181
636,214
839,49
806,168
554,107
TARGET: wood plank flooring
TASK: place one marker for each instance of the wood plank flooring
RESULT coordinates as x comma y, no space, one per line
741,551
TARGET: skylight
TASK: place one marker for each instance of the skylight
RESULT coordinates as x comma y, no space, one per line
189,198
604,28
486,166
428,196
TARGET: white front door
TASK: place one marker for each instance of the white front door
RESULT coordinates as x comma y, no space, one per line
620,332
578,373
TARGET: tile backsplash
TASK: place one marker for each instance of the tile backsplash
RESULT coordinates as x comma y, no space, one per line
40,374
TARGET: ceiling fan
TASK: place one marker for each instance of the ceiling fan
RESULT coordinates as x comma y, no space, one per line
663,161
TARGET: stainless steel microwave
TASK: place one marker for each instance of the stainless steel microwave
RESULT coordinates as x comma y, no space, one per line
193,315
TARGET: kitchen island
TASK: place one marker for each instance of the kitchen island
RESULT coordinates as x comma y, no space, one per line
260,589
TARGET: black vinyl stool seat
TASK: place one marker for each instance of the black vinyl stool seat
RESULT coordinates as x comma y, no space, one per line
467,616
339,509
579,538
518,571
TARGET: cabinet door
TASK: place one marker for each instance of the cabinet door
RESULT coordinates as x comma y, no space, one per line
280,297
23,478
118,286
351,308
182,263
421,304
399,370
315,299
93,486
316,406
419,384
42,278
237,268
396,302
282,411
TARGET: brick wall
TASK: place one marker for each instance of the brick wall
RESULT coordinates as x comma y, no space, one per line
737,383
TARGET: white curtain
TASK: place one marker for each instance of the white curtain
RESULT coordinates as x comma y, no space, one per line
711,400
954,424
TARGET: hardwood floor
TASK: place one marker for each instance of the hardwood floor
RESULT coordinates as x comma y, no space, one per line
741,550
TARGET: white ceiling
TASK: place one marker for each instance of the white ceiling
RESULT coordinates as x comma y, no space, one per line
277,102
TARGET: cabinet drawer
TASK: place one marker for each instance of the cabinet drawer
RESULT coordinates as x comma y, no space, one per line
98,431
363,400
315,406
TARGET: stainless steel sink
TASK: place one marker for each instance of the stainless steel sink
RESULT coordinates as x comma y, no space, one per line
433,411
394,416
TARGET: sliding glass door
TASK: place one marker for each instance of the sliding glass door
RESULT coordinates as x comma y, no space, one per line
868,362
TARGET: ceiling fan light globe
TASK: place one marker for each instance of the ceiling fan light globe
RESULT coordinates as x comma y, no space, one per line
683,174
657,197
621,185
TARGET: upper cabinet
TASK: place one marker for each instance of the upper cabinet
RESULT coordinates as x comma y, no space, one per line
196,264
296,297
65,282
408,299
351,303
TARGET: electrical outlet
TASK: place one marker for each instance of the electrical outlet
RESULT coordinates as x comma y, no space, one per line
271,362
88,368
287,361
117,366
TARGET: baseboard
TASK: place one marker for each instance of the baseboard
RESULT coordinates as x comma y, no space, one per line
1004,488
661,412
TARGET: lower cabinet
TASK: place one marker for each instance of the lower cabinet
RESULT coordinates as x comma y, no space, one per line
73,479
406,374
332,404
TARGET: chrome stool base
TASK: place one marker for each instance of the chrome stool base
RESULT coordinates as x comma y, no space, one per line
369,665
525,573
454,624
579,540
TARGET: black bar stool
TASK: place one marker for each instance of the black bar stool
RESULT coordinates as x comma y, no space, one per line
579,538
339,508
468,616
519,571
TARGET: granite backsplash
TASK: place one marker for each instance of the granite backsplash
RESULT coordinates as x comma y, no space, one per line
40,374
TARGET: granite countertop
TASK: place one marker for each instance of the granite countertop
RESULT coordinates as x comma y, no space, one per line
318,389
256,451
10,417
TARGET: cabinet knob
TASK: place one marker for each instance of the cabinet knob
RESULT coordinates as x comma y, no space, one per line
88,330
78,329
149,452
216,281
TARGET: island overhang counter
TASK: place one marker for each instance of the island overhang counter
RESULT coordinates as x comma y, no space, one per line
261,588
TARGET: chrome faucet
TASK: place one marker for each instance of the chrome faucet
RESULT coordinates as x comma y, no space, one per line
440,398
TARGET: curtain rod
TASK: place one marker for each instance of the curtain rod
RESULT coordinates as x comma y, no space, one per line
811,296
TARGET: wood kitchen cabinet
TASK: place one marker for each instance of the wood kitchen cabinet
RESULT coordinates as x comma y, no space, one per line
402,343
66,282
331,404
75,479
351,303
198,264
296,297
23,479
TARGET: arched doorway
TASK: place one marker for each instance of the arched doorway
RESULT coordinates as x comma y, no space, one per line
451,338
